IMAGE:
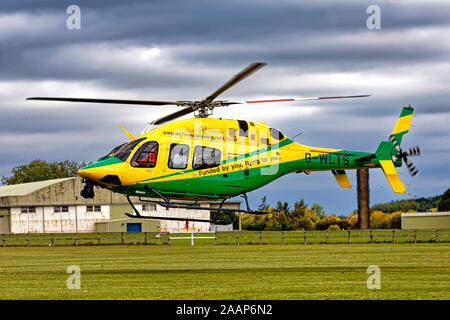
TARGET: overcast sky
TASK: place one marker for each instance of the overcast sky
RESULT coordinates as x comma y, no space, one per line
182,50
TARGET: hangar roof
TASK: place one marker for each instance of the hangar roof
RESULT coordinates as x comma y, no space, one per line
24,189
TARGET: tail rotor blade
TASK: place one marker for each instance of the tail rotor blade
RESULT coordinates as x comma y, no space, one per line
413,151
394,141
412,169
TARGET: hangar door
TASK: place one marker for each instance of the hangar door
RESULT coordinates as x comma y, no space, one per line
134,227
4,221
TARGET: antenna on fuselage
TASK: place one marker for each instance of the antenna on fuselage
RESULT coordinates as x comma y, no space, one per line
149,127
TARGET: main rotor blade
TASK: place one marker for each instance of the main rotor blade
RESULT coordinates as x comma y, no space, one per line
306,99
174,115
111,101
238,77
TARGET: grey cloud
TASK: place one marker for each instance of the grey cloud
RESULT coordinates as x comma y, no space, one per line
206,43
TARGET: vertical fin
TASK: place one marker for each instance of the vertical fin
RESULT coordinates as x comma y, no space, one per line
403,123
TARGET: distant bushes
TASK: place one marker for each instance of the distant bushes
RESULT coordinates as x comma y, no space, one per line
416,205
302,217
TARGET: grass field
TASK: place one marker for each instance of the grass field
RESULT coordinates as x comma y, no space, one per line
334,271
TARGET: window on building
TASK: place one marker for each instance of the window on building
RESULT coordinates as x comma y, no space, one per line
205,157
60,209
146,156
27,209
178,156
149,207
93,208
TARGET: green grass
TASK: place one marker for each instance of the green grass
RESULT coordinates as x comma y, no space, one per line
313,271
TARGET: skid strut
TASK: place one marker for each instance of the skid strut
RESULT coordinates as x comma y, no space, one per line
166,203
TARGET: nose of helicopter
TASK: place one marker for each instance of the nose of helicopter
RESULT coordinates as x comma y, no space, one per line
94,174
103,172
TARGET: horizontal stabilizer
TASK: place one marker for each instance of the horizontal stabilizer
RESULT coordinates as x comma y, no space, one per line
392,176
341,178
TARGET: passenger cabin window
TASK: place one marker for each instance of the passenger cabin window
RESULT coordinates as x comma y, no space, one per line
205,157
277,135
178,156
146,156
243,128
124,152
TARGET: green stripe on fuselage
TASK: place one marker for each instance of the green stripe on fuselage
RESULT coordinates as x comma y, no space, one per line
102,163
234,183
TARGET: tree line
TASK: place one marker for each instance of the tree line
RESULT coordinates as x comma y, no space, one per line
39,170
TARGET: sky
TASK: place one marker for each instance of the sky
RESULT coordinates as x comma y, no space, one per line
185,50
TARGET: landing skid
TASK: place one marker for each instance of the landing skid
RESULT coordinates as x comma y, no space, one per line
166,203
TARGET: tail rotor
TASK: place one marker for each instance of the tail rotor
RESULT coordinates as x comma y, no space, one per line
403,155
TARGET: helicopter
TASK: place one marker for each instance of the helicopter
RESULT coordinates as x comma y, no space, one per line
176,161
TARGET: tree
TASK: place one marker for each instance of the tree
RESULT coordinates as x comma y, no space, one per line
39,170
299,208
444,204
318,210
263,205
282,207
362,177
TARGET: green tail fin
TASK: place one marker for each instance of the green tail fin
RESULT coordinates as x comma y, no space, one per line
386,150
403,123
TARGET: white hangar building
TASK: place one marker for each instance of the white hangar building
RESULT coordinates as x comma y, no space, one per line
55,206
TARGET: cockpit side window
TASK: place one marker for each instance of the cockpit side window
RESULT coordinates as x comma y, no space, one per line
146,156
124,152
114,150
111,152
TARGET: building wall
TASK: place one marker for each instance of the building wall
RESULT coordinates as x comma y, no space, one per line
45,220
113,207
118,210
63,193
426,220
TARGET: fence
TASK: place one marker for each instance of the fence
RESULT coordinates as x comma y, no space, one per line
227,238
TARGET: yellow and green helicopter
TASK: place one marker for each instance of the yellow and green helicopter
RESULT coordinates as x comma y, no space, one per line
216,159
